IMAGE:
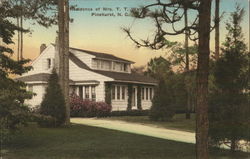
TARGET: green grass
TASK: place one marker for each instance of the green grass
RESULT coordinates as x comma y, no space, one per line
178,123
84,142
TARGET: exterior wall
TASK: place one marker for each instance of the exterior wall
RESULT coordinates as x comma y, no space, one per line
86,58
39,89
78,74
119,104
147,103
40,64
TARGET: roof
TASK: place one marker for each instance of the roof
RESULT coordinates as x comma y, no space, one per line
105,56
44,77
101,55
118,76
128,77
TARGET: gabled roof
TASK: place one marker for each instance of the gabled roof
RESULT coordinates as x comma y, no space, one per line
118,76
105,56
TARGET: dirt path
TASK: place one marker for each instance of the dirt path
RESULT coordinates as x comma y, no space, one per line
135,128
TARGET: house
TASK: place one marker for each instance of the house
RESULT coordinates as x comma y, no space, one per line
93,76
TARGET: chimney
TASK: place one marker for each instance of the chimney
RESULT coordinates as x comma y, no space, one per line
42,48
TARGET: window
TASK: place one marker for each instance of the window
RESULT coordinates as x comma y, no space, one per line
113,65
80,92
102,64
121,67
98,64
86,92
48,63
125,67
30,88
113,92
93,94
123,92
118,92
150,93
142,93
146,93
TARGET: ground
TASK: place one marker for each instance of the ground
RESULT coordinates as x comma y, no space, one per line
86,142
178,123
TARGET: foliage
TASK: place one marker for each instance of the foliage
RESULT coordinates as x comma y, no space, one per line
87,108
139,97
53,103
44,120
130,113
163,103
108,93
229,109
13,112
177,56
158,68
130,91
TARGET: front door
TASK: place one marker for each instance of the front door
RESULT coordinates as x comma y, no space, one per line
134,95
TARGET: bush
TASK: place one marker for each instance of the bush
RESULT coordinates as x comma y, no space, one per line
53,103
130,113
45,120
162,104
87,108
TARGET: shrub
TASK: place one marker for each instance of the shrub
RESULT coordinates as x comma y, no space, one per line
87,108
162,104
45,120
130,113
53,103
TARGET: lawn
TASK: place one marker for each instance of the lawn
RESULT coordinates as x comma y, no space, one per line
178,123
84,142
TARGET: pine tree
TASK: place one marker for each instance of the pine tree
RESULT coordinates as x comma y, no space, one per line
229,109
12,93
53,103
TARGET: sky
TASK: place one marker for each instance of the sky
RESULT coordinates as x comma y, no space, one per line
103,33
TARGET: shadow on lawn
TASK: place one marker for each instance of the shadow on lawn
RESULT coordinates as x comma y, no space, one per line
85,142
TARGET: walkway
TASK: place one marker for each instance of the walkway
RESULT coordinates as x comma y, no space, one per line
163,133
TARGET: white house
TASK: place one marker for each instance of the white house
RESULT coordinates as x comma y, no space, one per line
91,75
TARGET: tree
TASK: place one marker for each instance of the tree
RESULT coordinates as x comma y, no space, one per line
50,106
63,26
12,93
229,109
169,15
217,29
163,102
158,68
13,111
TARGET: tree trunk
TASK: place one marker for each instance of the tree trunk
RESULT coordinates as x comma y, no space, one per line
188,116
66,61
63,36
18,40
202,80
217,29
21,38
233,145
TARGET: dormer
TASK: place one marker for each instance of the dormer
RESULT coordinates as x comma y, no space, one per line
102,61
109,65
